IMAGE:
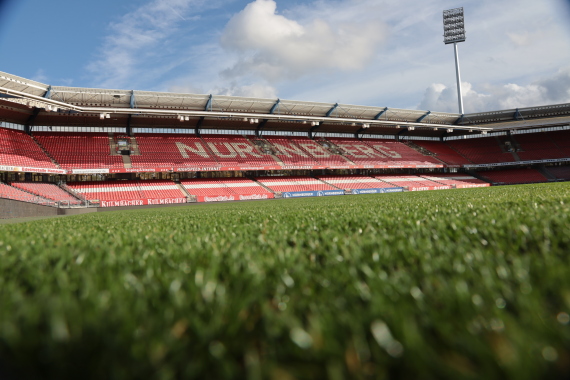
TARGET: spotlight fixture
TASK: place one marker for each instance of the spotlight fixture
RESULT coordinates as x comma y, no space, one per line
245,120
186,118
435,129
483,132
107,115
453,33
449,130
411,128
101,116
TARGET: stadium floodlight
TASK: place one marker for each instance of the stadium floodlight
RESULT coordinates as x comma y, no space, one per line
411,128
245,119
101,116
187,118
483,132
108,115
449,130
435,129
454,32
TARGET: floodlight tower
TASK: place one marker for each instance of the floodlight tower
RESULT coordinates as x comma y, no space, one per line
454,32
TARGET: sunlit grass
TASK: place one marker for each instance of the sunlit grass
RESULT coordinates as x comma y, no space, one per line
441,284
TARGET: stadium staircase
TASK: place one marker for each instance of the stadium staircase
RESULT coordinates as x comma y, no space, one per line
188,196
135,151
113,145
64,187
507,146
458,152
332,148
262,185
46,152
127,161
423,151
546,173
264,147
328,183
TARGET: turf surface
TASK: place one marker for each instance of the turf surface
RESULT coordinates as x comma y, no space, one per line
444,284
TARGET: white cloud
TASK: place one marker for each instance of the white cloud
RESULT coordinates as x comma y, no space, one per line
549,90
138,37
274,47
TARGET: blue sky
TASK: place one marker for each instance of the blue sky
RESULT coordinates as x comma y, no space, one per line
369,52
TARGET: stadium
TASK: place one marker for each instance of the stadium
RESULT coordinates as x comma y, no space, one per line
208,236
81,147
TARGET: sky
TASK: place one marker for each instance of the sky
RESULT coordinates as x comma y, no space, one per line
386,53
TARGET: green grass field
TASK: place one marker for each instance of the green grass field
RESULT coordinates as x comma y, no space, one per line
442,284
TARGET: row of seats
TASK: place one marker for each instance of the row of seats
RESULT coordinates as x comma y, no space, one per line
214,187
9,192
78,150
294,184
456,180
408,180
127,190
48,191
19,149
354,182
560,172
513,176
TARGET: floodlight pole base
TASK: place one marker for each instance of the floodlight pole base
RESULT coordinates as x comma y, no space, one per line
458,75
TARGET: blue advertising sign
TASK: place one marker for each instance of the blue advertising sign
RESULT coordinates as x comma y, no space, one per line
300,194
378,191
325,193
321,193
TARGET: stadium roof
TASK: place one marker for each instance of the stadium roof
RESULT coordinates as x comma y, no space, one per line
26,101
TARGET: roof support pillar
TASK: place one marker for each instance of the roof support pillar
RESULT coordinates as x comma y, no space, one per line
401,133
460,120
47,95
423,117
313,129
275,106
357,133
29,125
129,129
330,112
133,101
209,104
381,113
198,126
260,127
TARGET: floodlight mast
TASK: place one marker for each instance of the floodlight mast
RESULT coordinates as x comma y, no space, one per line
453,33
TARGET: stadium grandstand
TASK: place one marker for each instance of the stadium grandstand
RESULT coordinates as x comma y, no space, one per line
85,147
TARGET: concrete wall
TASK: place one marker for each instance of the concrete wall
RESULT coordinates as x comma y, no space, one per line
16,209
